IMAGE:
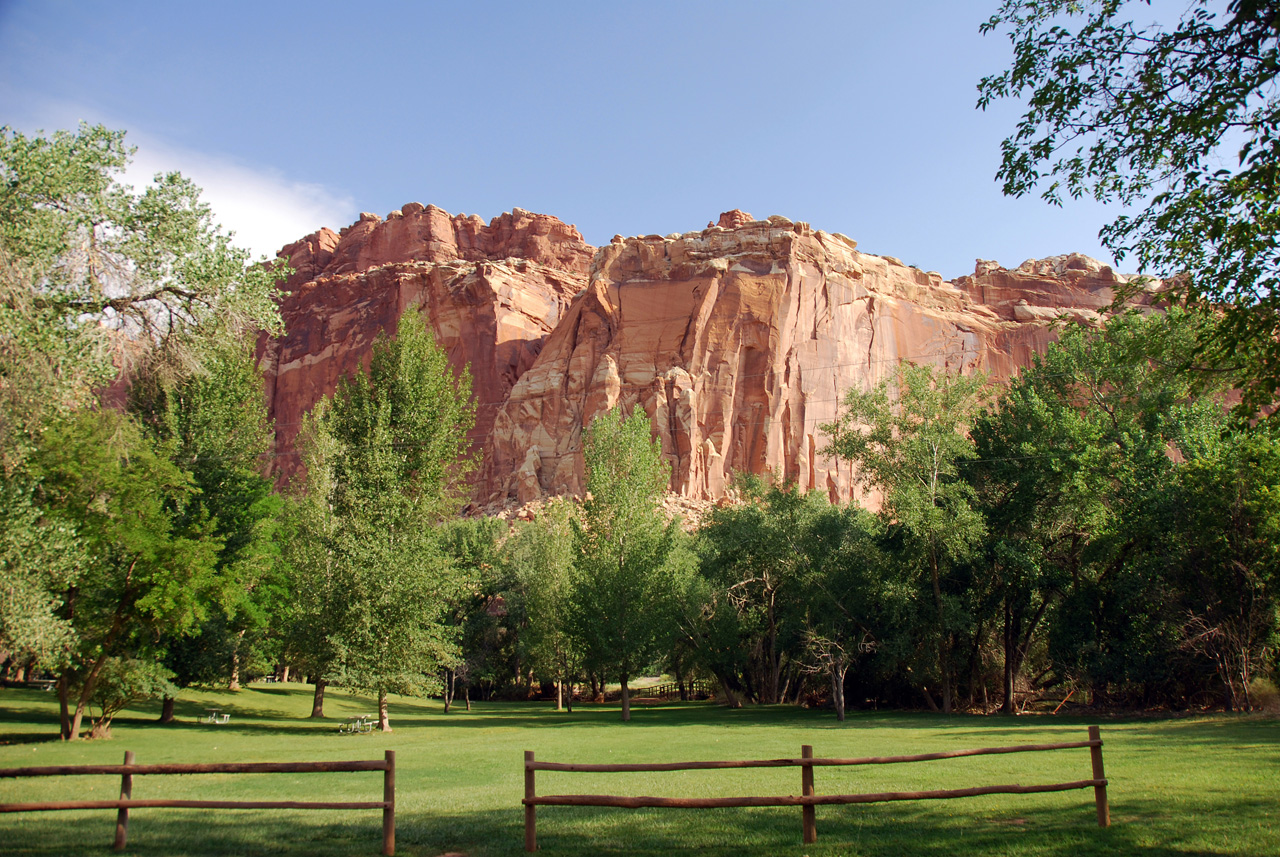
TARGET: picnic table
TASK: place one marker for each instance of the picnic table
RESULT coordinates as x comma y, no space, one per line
216,715
358,723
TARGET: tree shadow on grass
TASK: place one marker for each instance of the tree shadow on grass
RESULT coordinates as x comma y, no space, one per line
870,831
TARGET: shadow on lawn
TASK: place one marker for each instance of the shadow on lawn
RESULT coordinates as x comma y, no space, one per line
871,831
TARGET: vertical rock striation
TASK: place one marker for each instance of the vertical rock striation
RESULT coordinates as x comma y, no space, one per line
738,341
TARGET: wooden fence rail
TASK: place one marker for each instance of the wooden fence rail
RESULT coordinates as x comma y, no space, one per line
694,689
807,799
129,770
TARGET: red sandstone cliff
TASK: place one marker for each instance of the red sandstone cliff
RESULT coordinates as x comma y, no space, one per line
492,292
738,340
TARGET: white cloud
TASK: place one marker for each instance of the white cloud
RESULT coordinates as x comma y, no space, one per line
263,208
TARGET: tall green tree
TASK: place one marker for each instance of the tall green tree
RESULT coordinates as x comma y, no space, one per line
847,585
1177,123
316,596
621,607
93,255
757,556
97,281
150,566
541,558
1229,577
1040,477
388,453
909,438
216,426
40,560
472,545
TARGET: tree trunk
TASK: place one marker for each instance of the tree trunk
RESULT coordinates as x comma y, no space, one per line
282,674
90,682
944,651
838,670
773,677
568,698
928,697
1009,647
317,701
64,708
384,722
559,694
234,684
730,698
626,699
166,709
449,689
466,694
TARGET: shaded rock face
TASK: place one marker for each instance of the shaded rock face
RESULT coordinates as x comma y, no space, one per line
738,341
492,294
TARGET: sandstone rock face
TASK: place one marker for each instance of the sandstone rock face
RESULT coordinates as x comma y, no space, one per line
738,341
492,294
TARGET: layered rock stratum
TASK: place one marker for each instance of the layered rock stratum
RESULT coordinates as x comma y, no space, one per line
738,340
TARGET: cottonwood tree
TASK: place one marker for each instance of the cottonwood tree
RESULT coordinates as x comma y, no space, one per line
540,555
472,546
390,450
1040,477
908,437
94,256
757,555
1179,124
624,552
215,426
98,280
150,568
316,598
846,585
40,559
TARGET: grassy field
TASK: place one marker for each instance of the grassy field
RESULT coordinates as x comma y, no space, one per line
1179,786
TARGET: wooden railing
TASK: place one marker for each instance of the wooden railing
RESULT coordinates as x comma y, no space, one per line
695,689
129,770
807,799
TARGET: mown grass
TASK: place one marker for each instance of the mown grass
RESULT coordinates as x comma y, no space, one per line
1179,786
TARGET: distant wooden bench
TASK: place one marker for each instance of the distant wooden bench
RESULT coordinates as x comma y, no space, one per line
807,799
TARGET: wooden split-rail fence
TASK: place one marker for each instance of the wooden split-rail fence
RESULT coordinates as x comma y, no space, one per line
129,770
697,689
808,798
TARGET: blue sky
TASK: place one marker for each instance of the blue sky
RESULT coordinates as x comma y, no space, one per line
629,118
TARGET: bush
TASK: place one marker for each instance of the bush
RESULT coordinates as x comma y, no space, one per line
1264,695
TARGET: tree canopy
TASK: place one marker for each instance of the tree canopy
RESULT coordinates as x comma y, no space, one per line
383,460
1179,123
623,585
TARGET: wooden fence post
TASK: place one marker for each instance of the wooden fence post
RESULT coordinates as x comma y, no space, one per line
389,809
806,789
122,814
530,811
1100,791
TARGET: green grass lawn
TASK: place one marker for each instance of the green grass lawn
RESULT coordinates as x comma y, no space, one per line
1179,786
